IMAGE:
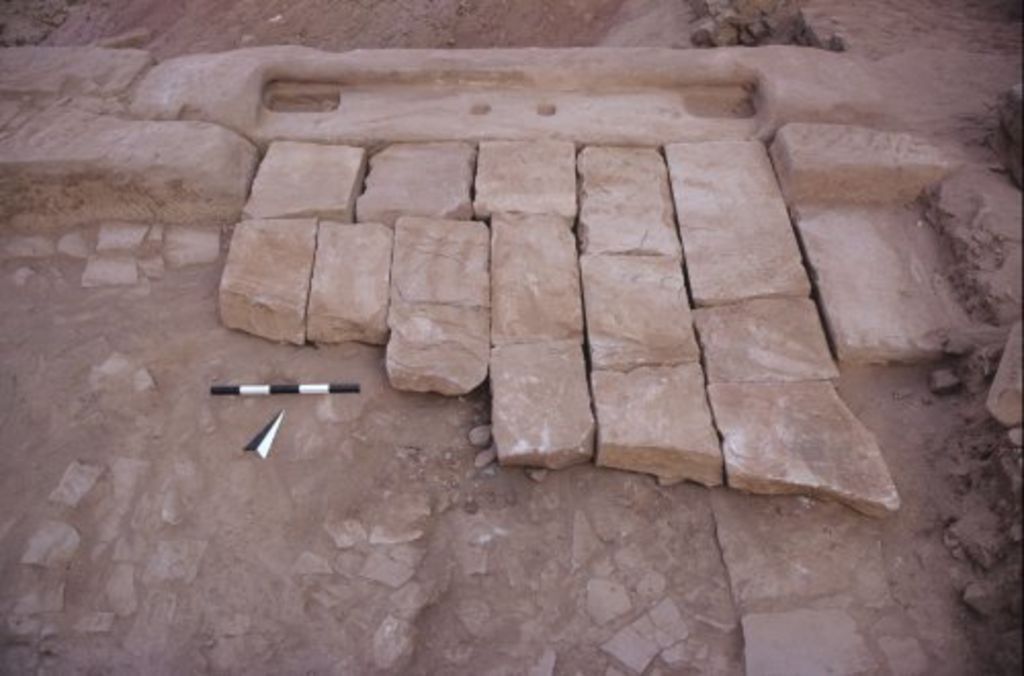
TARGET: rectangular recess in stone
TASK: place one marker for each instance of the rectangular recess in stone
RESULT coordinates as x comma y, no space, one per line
792,438
526,177
626,203
433,180
297,180
540,405
656,420
637,312
265,285
764,339
737,238
348,296
535,281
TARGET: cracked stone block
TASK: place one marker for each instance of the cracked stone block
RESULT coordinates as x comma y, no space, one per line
529,177
536,281
307,180
765,339
637,312
657,421
265,284
348,295
626,203
1004,396
805,643
840,163
784,438
432,180
737,238
883,256
540,405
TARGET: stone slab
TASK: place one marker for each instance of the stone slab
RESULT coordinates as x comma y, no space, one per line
299,180
349,291
185,246
432,180
737,238
626,203
109,271
781,438
540,405
881,255
828,163
528,177
265,284
805,643
637,312
441,261
657,421
535,281
1004,400
765,339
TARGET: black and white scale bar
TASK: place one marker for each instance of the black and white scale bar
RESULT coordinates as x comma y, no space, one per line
263,390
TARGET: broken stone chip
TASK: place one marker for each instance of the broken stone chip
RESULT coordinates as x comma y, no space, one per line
527,177
1004,400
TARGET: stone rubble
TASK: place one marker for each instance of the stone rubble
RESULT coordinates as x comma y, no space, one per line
480,436
526,177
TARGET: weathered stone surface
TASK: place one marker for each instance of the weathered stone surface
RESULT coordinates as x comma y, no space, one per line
882,255
266,278
52,544
120,236
536,281
606,600
28,246
659,629
440,306
419,179
765,339
800,438
348,296
175,560
737,237
824,163
1004,397
109,271
533,177
73,244
307,180
78,480
805,643
656,420
540,405
185,246
637,312
625,203
120,589
69,71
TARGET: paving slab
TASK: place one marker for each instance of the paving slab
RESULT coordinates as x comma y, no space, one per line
419,179
441,261
265,284
800,438
349,291
540,405
881,283
1004,400
535,281
626,203
827,163
805,643
657,421
637,312
765,339
302,180
737,238
528,177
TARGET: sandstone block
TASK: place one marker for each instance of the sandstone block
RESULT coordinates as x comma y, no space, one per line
348,295
656,420
440,261
532,177
419,179
1004,397
800,438
297,180
625,203
184,246
120,237
637,312
536,281
765,339
109,271
822,163
265,284
737,238
540,405
805,643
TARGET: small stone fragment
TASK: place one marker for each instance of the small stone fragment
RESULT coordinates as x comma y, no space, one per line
22,275
309,563
531,177
485,458
585,543
78,480
73,244
393,643
185,246
346,534
944,381
480,436
120,237
95,623
606,600
632,645
1016,437
109,271
382,568
120,589
1005,401
52,544
537,475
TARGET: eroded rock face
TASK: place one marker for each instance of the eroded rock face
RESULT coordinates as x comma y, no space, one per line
297,180
540,405
1004,398
419,179
800,438
528,177
265,284
536,281
637,312
657,421
348,295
